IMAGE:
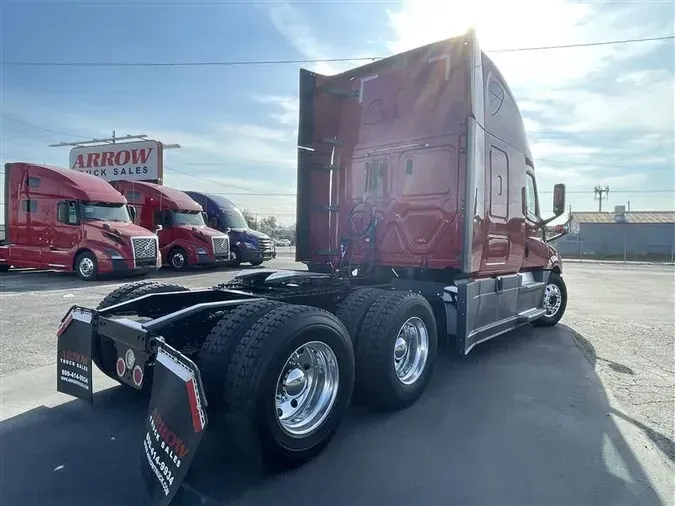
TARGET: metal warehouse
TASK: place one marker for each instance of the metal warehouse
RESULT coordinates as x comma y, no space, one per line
620,235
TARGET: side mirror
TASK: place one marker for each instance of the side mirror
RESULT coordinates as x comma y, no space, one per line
132,212
228,230
205,217
158,228
558,199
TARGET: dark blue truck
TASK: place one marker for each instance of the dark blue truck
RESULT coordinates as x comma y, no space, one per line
246,244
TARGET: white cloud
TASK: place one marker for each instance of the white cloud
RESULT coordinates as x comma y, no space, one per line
590,105
293,24
566,150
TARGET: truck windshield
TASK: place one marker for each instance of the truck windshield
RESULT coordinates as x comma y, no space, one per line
193,218
100,211
234,219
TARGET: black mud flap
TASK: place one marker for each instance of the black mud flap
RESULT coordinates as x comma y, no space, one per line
74,347
174,426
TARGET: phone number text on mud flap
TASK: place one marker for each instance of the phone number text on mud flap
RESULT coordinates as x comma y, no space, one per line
72,363
67,375
154,461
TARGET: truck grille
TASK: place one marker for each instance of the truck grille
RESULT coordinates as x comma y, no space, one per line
145,248
266,245
221,245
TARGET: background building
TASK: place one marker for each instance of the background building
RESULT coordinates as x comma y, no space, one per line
620,235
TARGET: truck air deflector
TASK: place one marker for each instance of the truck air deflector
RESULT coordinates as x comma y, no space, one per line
474,191
489,307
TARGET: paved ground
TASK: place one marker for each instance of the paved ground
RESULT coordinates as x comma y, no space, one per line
579,414
624,318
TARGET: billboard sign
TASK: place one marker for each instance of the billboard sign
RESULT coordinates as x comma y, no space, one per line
132,161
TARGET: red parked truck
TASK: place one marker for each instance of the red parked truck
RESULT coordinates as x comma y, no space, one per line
184,238
70,221
420,224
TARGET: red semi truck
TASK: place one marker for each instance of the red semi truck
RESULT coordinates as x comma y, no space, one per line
70,221
184,238
420,224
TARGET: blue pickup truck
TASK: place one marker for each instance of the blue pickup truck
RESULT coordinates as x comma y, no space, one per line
246,244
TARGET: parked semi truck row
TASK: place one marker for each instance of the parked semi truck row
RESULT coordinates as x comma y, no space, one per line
420,225
70,221
184,238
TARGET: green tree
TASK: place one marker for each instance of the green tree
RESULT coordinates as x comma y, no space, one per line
250,219
268,225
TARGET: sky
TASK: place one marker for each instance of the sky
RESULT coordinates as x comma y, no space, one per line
599,115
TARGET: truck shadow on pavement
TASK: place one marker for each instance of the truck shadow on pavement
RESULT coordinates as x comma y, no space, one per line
521,421
663,442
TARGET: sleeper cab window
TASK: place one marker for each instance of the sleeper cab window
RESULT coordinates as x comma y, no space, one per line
33,182
495,97
29,206
133,196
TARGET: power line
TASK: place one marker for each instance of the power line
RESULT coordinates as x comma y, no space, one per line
32,125
233,63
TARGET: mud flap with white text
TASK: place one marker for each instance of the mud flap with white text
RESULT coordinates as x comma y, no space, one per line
74,347
174,425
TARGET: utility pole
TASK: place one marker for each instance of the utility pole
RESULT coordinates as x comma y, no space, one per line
598,192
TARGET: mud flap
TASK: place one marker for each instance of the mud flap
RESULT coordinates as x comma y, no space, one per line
74,348
174,426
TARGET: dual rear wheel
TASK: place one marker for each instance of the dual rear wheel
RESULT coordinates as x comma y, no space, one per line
281,376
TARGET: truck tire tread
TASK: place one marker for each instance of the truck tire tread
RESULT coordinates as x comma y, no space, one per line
353,309
374,351
250,363
220,343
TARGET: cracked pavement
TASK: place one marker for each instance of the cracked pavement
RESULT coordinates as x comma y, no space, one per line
624,320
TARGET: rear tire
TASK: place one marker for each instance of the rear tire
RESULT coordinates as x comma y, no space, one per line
220,344
86,266
256,263
352,310
4,267
265,386
105,353
555,301
395,350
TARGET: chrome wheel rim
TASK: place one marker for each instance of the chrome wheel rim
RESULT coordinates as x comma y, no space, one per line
177,260
86,267
411,350
552,299
306,388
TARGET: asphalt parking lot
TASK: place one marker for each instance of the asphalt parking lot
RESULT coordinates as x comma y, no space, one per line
578,414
